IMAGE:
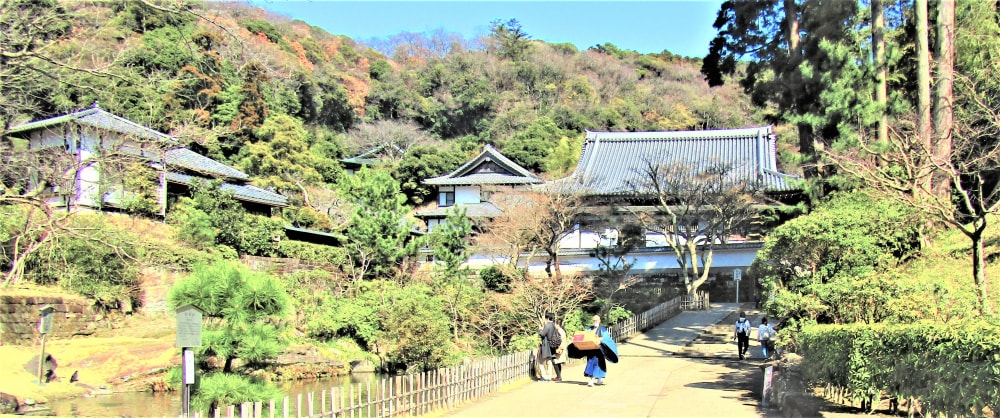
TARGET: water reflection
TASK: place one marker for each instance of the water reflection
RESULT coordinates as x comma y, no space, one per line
144,404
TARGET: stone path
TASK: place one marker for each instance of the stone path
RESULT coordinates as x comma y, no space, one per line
660,374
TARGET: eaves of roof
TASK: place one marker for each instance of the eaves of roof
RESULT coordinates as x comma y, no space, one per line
190,160
472,210
244,192
97,118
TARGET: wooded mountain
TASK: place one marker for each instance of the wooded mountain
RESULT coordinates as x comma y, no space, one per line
283,100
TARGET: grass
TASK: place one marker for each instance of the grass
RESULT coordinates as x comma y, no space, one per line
99,361
949,261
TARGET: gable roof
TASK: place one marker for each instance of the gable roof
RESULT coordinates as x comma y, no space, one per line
478,171
373,155
98,118
611,163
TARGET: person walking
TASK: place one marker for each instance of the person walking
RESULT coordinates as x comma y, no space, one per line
741,334
765,334
597,366
543,359
561,352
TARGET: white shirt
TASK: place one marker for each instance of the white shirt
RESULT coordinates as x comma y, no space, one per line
765,332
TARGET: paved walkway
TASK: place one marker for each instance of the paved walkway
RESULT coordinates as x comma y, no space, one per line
648,381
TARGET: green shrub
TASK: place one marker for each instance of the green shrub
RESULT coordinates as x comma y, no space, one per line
494,279
193,226
313,252
618,314
951,368
258,235
218,390
99,266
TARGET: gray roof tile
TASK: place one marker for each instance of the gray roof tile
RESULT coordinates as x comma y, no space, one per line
245,192
612,162
470,174
190,160
98,118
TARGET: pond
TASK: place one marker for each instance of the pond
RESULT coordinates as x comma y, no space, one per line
169,404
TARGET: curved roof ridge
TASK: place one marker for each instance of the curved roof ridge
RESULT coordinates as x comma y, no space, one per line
661,135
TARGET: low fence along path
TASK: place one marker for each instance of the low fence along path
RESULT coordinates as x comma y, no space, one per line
648,381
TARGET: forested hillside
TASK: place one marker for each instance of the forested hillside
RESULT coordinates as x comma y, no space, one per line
283,100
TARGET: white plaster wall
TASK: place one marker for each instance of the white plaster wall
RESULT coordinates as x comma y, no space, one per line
467,194
658,262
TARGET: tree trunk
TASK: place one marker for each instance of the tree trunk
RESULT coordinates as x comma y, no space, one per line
979,271
924,145
792,26
881,72
944,96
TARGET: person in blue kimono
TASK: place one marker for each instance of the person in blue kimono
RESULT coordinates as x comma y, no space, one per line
597,366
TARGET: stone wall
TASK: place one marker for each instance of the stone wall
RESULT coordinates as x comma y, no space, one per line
19,316
283,266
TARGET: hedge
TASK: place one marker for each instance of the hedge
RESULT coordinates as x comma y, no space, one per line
950,368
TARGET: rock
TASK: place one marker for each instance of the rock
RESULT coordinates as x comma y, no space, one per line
29,401
8,403
362,366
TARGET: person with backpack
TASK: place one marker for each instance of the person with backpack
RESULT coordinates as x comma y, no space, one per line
765,334
550,341
742,335
561,352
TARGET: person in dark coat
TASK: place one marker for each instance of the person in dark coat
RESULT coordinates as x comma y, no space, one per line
543,361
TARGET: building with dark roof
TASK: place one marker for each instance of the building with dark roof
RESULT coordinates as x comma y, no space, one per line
95,138
612,163
471,184
612,173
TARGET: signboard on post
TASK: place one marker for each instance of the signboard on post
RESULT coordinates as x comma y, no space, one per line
737,276
188,335
188,326
44,328
45,325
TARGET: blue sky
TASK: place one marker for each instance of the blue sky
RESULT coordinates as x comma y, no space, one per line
682,27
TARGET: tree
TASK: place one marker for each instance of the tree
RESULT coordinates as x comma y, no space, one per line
614,266
895,170
849,243
378,230
785,63
28,68
423,162
450,245
697,208
512,41
243,309
281,158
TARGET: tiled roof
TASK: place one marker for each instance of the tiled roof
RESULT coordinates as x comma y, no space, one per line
373,155
612,163
245,192
98,118
190,160
469,174
472,210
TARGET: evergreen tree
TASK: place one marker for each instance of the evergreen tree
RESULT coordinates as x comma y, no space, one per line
378,230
